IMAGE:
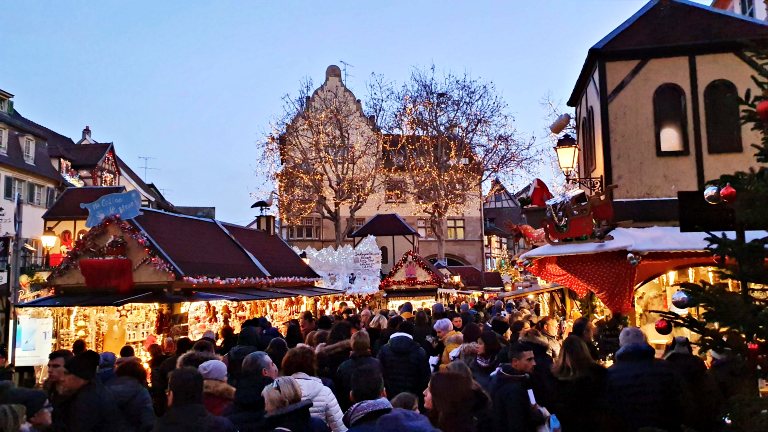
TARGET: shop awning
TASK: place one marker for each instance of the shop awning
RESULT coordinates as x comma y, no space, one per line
532,290
115,299
641,240
605,269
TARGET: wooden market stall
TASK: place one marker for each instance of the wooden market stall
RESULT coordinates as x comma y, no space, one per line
412,279
161,274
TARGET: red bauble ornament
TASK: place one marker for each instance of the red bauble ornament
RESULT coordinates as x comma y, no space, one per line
762,110
663,327
728,193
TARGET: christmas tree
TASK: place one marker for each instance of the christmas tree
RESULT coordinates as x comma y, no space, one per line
732,318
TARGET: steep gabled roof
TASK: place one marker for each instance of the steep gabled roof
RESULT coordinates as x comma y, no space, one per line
196,246
471,276
14,156
389,224
67,207
272,252
664,28
88,155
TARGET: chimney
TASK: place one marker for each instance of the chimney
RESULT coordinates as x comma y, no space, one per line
87,133
266,223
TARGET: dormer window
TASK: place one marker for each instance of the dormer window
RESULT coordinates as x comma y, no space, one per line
3,140
29,150
3,105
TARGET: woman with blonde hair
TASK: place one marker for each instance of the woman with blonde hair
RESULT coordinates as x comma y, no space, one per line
286,411
579,399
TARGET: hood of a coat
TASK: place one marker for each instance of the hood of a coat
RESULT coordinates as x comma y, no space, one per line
219,389
635,352
365,410
124,388
402,344
337,348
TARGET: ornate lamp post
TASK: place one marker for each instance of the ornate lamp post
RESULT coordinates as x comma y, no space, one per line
48,239
567,156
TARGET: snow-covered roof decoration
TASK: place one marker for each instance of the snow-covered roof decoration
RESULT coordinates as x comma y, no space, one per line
641,240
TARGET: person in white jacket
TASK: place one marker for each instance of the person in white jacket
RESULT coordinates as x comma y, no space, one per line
301,364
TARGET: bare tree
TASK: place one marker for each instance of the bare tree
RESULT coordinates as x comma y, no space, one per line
446,136
326,155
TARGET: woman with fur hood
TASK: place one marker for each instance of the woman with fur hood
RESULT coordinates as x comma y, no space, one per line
217,394
301,364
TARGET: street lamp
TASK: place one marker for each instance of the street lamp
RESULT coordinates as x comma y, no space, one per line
567,157
48,239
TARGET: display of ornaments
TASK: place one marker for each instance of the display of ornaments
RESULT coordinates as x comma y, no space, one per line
681,300
663,327
728,193
762,110
712,195
633,259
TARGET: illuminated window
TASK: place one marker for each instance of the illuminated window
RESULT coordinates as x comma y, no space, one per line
308,229
424,229
670,119
455,229
395,191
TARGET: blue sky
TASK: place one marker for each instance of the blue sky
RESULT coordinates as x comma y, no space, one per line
195,84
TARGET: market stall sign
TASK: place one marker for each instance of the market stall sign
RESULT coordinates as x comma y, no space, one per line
126,205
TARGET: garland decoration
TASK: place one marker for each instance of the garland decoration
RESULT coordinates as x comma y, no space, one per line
250,282
86,247
435,279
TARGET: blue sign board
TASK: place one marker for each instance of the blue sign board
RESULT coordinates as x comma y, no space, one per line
126,205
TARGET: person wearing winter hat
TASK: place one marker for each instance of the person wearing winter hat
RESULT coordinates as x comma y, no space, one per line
127,354
89,407
643,392
404,420
438,311
210,336
217,394
106,371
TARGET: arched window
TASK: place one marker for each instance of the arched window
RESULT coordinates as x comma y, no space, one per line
384,255
671,120
721,108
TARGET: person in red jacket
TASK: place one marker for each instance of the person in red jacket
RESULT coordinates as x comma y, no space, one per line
217,394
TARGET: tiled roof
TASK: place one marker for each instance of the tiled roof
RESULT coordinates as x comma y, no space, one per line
389,224
671,27
470,276
67,207
88,155
14,157
196,246
492,280
272,252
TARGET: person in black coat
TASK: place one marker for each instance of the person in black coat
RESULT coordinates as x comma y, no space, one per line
359,358
247,411
706,398
512,408
86,406
643,391
404,363
542,380
186,411
132,396
248,341
579,397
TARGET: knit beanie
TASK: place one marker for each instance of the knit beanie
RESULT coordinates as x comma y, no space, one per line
107,360
438,308
631,335
83,365
213,370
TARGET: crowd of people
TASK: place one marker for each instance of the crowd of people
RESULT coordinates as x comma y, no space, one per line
494,367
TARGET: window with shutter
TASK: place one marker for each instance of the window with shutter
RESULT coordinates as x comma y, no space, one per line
3,140
721,110
8,188
50,196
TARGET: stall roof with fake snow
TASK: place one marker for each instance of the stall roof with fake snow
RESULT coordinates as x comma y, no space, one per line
641,240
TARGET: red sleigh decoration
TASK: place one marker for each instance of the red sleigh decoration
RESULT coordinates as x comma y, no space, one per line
574,217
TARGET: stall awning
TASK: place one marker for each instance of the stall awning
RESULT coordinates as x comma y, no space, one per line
532,290
115,299
604,267
641,240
